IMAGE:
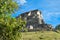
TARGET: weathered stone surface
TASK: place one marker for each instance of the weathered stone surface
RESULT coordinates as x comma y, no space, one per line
35,21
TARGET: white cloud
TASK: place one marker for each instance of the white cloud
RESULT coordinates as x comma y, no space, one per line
21,2
51,17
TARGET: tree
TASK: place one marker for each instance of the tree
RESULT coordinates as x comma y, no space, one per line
7,6
9,27
57,27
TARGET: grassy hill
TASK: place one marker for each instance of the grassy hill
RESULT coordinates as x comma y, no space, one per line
46,35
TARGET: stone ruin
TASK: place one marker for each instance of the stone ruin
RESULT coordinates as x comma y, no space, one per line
35,21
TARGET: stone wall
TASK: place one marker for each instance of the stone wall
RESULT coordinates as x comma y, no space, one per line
34,20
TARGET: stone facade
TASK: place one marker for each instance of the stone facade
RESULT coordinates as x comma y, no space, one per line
34,20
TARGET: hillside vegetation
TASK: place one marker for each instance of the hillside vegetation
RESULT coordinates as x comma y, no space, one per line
46,35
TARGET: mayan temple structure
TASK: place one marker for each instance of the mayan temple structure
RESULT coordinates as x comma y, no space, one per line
35,20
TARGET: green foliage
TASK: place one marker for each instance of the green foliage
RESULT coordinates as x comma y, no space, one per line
57,27
7,6
9,27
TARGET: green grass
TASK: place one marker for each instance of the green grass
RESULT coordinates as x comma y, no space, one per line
47,35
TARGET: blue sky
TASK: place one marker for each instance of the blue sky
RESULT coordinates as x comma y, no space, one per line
50,9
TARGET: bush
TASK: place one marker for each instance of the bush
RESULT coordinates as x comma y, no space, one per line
9,27
10,30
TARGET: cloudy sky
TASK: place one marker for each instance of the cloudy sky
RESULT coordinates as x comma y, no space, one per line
50,9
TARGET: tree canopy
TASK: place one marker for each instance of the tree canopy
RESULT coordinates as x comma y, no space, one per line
9,26
7,6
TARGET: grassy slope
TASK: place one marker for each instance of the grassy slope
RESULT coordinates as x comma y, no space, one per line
47,35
